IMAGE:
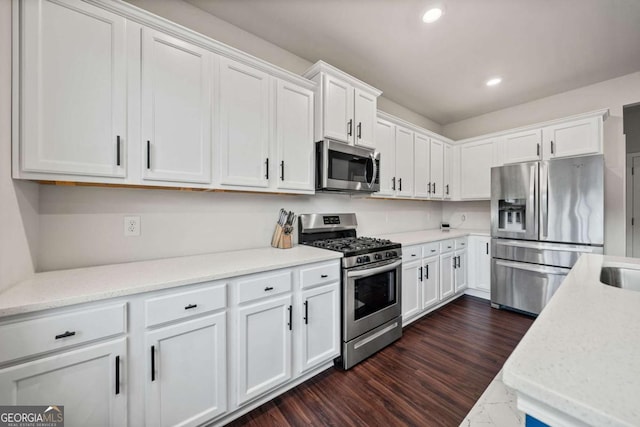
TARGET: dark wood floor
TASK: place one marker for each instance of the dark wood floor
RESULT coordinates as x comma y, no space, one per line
431,377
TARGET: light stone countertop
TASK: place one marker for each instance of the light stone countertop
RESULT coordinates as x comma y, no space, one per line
425,236
582,354
66,287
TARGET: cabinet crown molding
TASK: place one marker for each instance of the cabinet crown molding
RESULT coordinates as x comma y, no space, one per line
401,122
323,67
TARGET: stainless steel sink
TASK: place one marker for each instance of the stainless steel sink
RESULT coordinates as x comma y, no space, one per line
620,277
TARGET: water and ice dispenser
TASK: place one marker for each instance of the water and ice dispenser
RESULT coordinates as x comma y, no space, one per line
512,215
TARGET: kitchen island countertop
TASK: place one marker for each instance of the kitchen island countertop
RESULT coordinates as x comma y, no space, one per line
580,360
80,285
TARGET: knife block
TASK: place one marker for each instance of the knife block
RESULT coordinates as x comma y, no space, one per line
280,239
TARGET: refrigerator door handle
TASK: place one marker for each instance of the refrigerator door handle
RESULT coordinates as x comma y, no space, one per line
544,200
533,267
532,205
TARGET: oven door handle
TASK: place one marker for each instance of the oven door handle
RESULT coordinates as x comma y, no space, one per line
372,271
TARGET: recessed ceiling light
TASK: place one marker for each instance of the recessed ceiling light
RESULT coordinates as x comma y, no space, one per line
432,15
494,81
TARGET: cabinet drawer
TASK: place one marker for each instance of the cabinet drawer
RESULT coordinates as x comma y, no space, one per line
461,243
411,253
178,305
40,335
264,285
431,249
447,245
317,274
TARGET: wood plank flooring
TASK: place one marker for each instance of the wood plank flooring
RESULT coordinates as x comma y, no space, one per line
430,377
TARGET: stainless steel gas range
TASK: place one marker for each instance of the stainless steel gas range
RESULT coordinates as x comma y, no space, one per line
371,277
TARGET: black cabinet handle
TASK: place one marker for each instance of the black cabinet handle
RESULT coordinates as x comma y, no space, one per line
434,188
426,271
290,324
324,276
429,187
400,184
153,363
538,149
268,288
359,130
148,154
350,127
447,189
551,147
487,248
421,279
306,312
118,150
117,374
66,335
458,260
454,262
414,254
266,163
190,306
282,170
394,183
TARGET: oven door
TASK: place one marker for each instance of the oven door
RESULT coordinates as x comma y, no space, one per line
371,297
346,168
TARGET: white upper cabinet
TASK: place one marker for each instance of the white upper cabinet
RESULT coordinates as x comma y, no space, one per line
244,125
448,172
404,162
294,137
364,117
422,148
345,108
476,160
525,146
176,109
73,89
574,138
437,168
385,144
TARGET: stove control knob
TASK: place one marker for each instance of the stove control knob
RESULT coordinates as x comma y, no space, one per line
387,255
378,256
359,260
366,258
394,253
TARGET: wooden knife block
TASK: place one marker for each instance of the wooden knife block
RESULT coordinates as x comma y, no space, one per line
281,240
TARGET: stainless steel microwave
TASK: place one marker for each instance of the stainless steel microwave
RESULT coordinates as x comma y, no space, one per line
346,168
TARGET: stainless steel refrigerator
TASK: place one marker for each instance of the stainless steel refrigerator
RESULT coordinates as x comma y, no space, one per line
544,215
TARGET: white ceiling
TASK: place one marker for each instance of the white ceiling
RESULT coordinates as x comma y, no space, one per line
539,47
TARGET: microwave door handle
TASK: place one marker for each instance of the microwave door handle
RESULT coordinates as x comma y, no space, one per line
375,170
372,271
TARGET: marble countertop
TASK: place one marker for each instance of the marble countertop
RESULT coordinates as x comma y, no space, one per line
424,236
66,287
582,354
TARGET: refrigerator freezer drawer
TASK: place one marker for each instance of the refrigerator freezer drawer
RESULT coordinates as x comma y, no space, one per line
555,254
525,287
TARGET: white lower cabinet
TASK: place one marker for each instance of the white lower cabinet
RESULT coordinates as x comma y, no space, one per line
446,275
186,380
431,282
460,270
479,274
411,289
264,346
90,382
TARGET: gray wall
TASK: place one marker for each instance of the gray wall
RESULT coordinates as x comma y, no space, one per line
632,128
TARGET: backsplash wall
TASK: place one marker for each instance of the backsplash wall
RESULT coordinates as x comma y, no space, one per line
84,226
477,214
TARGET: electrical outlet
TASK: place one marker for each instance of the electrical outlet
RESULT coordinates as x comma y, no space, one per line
131,226
463,218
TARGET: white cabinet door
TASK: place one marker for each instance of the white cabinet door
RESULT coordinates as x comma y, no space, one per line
186,372
90,382
294,137
482,262
437,169
385,142
176,109
338,109
320,326
364,118
460,271
404,162
73,89
422,163
411,289
522,146
448,171
575,138
264,347
244,125
476,160
431,282
446,275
